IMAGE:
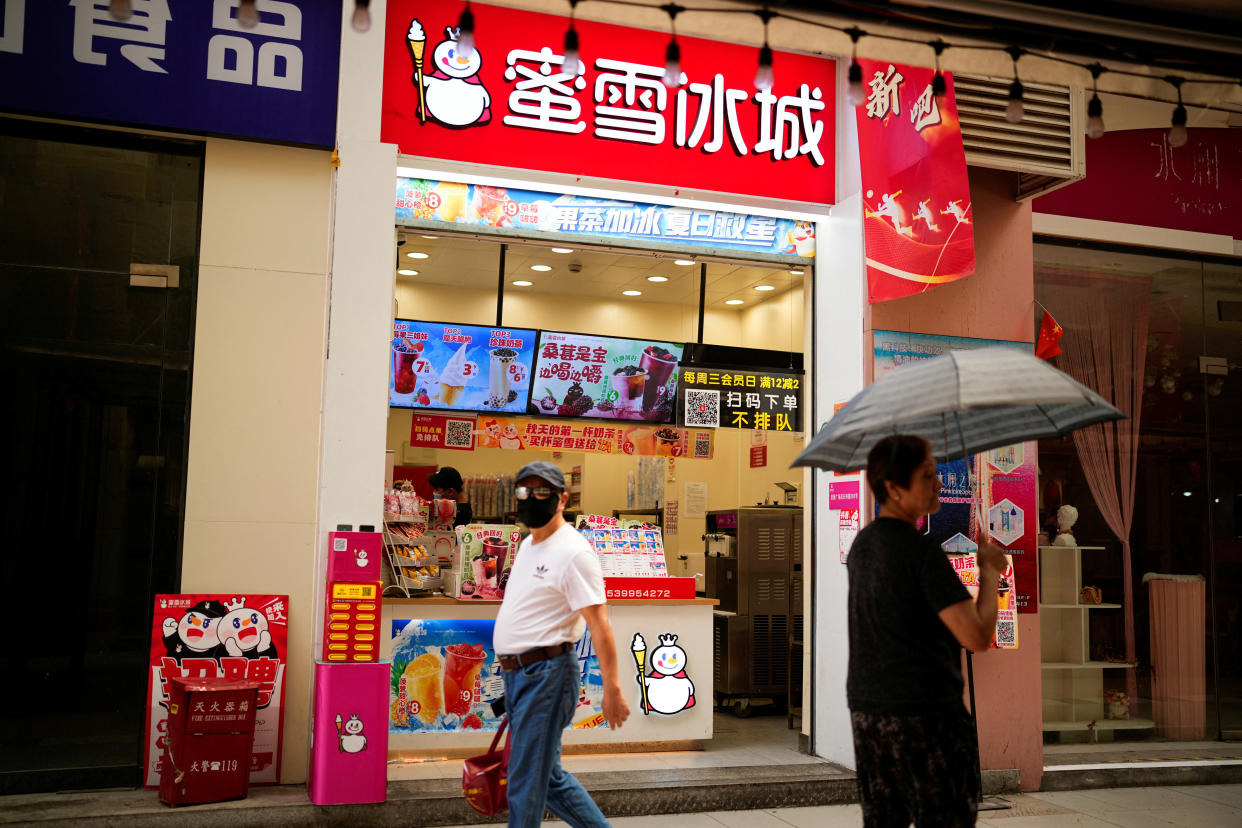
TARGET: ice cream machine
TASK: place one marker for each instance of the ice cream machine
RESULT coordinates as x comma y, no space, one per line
754,569
349,740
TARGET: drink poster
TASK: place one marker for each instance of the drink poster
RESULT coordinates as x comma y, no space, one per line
758,400
966,565
487,555
445,676
459,367
227,636
595,376
990,494
642,440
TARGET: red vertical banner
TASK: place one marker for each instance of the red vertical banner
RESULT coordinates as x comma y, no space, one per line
916,197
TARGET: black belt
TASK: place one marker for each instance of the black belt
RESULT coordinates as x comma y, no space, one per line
532,656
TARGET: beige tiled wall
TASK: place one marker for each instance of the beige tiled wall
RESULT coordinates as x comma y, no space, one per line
257,392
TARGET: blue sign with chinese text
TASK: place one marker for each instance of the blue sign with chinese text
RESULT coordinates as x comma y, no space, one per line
505,207
177,64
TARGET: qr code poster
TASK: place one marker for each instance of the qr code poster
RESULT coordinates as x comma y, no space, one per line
439,431
967,569
702,409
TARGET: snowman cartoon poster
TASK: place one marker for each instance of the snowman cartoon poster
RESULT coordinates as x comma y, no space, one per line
449,90
667,689
211,636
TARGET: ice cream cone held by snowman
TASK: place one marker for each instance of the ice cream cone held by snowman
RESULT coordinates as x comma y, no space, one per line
639,648
416,41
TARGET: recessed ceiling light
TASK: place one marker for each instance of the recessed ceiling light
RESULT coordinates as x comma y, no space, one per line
632,293
417,255
796,272
733,301
764,287
407,272
523,283
684,262
562,250
431,237
541,268
657,278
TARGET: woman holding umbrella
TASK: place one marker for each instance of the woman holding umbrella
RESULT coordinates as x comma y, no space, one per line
915,747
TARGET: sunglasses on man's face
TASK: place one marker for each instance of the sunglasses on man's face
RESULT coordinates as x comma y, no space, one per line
537,492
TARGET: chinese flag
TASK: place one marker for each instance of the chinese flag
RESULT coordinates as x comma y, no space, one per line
1046,346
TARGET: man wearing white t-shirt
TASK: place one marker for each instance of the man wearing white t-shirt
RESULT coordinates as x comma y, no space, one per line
555,591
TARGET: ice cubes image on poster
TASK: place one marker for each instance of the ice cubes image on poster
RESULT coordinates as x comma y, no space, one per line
1005,522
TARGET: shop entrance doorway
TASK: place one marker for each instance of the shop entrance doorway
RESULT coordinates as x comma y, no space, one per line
95,365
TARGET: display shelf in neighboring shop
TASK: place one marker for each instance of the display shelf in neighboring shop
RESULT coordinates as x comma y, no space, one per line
1079,606
1084,665
1100,724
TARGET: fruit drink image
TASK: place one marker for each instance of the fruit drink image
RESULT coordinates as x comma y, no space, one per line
453,197
659,365
667,442
484,569
453,376
404,357
489,204
462,665
498,376
628,381
497,549
424,686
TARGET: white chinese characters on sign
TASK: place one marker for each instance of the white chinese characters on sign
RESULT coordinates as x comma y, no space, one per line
144,31
278,64
925,112
885,94
786,128
544,97
717,105
631,83
12,26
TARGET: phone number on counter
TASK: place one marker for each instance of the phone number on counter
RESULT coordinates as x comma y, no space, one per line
639,593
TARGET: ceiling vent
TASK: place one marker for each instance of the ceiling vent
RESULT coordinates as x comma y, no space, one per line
1046,148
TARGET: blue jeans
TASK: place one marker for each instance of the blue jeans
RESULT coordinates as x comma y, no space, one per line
540,699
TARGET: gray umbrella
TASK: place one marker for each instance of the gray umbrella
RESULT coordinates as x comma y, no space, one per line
962,402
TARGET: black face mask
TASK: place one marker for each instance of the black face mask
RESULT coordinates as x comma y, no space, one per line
537,513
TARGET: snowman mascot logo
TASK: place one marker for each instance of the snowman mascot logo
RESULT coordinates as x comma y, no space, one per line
667,689
450,91
349,734
243,632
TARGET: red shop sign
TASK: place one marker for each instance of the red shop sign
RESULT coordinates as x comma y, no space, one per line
510,105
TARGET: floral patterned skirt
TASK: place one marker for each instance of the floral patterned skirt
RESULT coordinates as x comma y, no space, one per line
921,768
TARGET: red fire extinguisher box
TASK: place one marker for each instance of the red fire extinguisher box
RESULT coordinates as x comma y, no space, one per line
210,733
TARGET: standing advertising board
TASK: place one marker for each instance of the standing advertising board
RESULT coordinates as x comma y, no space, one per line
993,493
220,636
510,104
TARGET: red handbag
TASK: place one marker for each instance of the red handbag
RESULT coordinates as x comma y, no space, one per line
484,777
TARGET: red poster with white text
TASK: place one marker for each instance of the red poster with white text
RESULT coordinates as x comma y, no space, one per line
916,197
230,636
509,103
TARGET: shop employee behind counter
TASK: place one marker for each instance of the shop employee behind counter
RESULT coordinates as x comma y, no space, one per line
555,591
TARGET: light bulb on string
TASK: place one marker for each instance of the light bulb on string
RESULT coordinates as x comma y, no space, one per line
672,53
361,21
1095,107
248,14
465,33
121,10
1014,110
855,93
765,79
1178,136
572,62
939,85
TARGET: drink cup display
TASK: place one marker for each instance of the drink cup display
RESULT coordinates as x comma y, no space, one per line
628,381
498,376
424,687
498,550
480,567
659,365
462,665
404,374
667,440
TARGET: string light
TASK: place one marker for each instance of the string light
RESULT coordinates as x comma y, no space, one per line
1095,108
939,85
764,77
1013,110
465,33
572,64
361,21
855,94
672,55
1178,136
121,10
248,14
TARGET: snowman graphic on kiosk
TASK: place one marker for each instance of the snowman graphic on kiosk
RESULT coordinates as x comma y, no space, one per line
450,91
667,689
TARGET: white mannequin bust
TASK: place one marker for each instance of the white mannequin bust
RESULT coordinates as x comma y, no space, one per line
1067,516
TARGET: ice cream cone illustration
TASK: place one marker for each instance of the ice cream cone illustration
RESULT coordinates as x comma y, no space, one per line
416,40
639,646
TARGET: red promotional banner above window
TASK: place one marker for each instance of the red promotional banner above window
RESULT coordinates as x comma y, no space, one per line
509,104
916,196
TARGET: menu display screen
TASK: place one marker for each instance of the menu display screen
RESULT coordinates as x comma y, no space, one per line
577,375
460,367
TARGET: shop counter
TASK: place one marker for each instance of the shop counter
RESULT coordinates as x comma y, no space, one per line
447,664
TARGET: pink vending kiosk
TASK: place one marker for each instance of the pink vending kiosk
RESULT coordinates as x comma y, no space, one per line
349,741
